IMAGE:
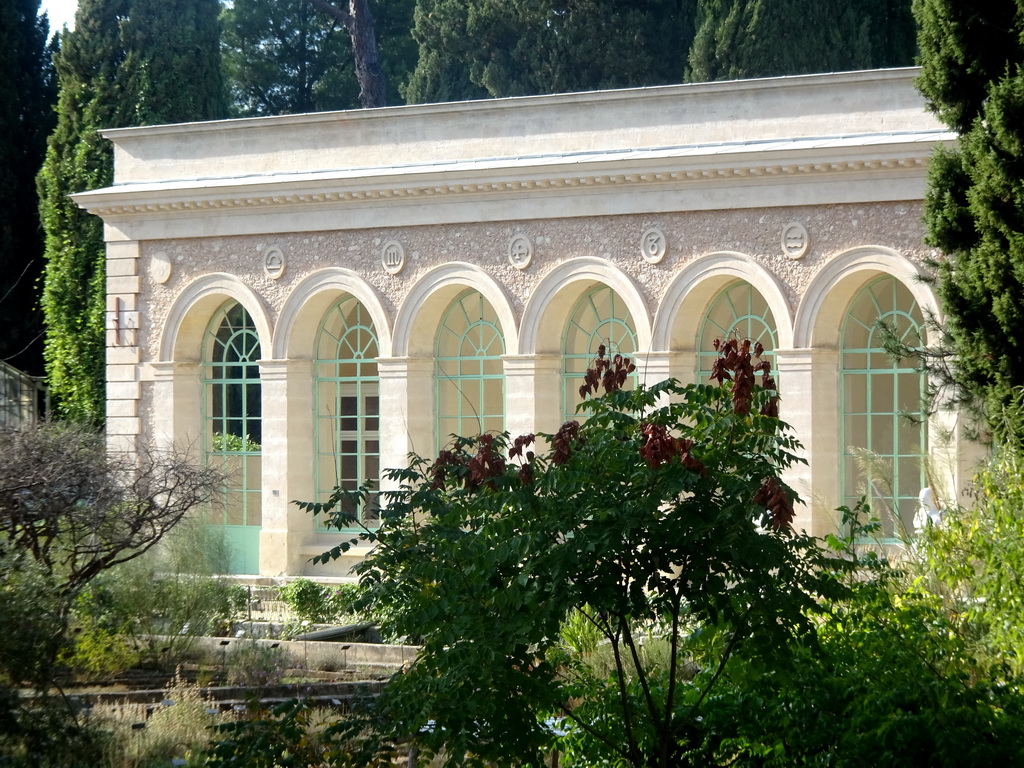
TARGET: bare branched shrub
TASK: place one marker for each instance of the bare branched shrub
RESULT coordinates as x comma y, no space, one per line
70,510
79,510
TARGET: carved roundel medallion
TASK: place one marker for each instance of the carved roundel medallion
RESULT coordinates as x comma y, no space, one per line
160,263
795,240
273,262
653,245
520,251
392,257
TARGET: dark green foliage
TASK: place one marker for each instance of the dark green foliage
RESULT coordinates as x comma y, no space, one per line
32,611
113,70
478,48
172,69
972,56
316,603
891,679
763,38
966,47
393,22
648,521
27,94
288,58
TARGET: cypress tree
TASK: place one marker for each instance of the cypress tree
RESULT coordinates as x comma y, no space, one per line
126,63
26,117
764,38
443,71
972,60
479,48
172,69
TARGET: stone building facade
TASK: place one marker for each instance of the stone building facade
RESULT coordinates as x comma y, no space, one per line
309,298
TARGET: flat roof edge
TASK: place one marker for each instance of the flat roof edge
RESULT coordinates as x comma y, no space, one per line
598,96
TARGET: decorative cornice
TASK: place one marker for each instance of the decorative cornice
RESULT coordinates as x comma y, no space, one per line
117,201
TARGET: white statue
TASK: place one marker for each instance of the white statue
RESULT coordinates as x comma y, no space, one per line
927,512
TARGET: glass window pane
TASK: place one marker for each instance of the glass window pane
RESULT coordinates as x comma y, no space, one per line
855,361
892,388
856,432
599,317
468,348
855,395
254,509
347,376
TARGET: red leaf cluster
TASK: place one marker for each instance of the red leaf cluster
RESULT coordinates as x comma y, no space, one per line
564,441
660,447
520,443
439,469
609,374
516,451
770,408
735,363
486,464
483,466
774,498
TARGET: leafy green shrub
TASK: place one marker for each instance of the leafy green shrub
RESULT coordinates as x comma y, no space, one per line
228,443
888,680
171,592
976,559
293,733
98,653
316,603
664,510
344,597
32,615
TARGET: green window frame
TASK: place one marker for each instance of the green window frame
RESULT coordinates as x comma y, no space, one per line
883,433
347,404
469,372
599,317
233,429
737,310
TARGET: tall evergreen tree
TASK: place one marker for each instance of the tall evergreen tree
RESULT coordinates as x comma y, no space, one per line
26,117
127,62
479,48
764,38
285,58
972,73
172,69
290,56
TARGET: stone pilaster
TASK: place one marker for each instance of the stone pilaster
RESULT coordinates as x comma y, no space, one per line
809,389
288,458
123,424
406,409
177,390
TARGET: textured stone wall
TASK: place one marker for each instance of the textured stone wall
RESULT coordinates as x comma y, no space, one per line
753,232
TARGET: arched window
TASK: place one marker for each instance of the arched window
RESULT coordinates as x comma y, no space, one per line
347,402
469,376
882,430
233,429
599,317
741,311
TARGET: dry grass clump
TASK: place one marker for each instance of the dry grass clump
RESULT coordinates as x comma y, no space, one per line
174,734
